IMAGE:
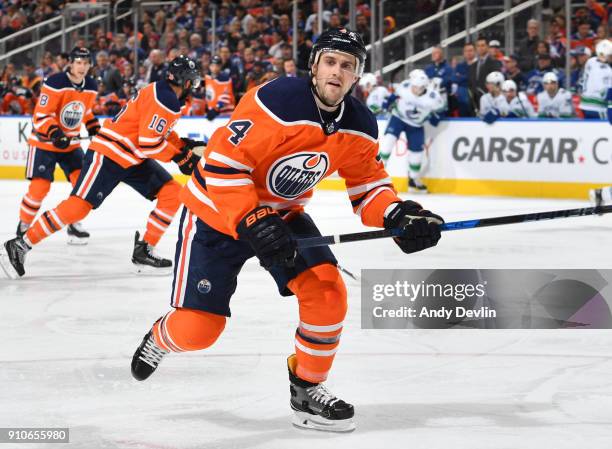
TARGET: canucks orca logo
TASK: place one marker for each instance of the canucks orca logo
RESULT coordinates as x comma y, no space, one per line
72,114
293,175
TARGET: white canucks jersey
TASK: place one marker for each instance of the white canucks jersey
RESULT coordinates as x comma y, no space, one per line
520,106
415,110
558,106
596,80
376,98
498,105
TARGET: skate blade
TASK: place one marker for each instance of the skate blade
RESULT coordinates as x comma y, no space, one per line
417,191
147,270
303,420
76,241
7,266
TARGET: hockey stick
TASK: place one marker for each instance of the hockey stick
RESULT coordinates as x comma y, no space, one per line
456,225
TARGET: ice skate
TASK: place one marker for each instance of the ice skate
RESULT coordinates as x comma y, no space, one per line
22,228
147,261
596,197
147,357
76,234
12,257
416,186
315,407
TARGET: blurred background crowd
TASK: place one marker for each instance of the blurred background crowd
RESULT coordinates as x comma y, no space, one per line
254,42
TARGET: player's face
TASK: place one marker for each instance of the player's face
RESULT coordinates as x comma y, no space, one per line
509,94
417,90
493,88
335,73
551,88
79,68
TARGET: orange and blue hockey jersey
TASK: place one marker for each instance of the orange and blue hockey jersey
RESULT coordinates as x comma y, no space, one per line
219,94
64,106
273,151
143,128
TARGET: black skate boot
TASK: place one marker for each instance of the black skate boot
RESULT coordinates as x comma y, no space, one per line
416,186
145,259
76,234
147,357
314,407
596,197
12,257
22,228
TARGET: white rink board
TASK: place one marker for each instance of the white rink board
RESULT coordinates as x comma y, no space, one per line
510,150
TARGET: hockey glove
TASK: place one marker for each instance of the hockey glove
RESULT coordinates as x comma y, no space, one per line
388,103
187,159
59,139
421,227
490,117
269,236
93,128
434,119
212,113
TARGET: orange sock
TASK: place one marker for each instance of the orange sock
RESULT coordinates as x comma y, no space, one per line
188,330
73,177
67,212
165,208
321,296
30,204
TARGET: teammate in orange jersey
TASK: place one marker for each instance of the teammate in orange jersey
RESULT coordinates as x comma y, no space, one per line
219,90
124,151
246,198
66,101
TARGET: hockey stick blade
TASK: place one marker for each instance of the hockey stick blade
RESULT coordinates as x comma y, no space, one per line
456,225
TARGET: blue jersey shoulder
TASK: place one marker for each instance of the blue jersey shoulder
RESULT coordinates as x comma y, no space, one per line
289,99
166,96
58,81
91,83
357,117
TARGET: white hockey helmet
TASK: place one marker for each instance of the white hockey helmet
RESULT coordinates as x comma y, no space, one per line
508,85
495,78
418,78
368,80
603,49
550,77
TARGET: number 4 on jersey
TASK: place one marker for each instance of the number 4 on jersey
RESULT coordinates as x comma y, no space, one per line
239,128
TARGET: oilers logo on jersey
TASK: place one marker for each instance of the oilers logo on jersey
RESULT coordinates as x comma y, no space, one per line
294,175
72,114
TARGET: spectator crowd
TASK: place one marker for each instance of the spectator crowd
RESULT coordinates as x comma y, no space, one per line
253,43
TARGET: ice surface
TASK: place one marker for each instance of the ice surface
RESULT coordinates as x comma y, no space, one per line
69,328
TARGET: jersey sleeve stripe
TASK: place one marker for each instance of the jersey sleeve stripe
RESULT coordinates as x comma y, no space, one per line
193,189
373,195
158,149
229,161
37,124
150,139
120,144
119,137
369,186
224,170
219,182
117,151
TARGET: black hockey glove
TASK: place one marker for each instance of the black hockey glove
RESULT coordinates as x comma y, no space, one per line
269,236
93,127
421,227
212,113
187,159
59,139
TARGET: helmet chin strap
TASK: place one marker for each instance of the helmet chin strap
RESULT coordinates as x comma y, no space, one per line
315,92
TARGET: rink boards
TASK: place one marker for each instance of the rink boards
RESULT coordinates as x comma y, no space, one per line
528,158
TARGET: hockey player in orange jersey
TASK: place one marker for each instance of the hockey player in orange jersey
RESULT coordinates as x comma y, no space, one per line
246,198
219,91
124,150
65,101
